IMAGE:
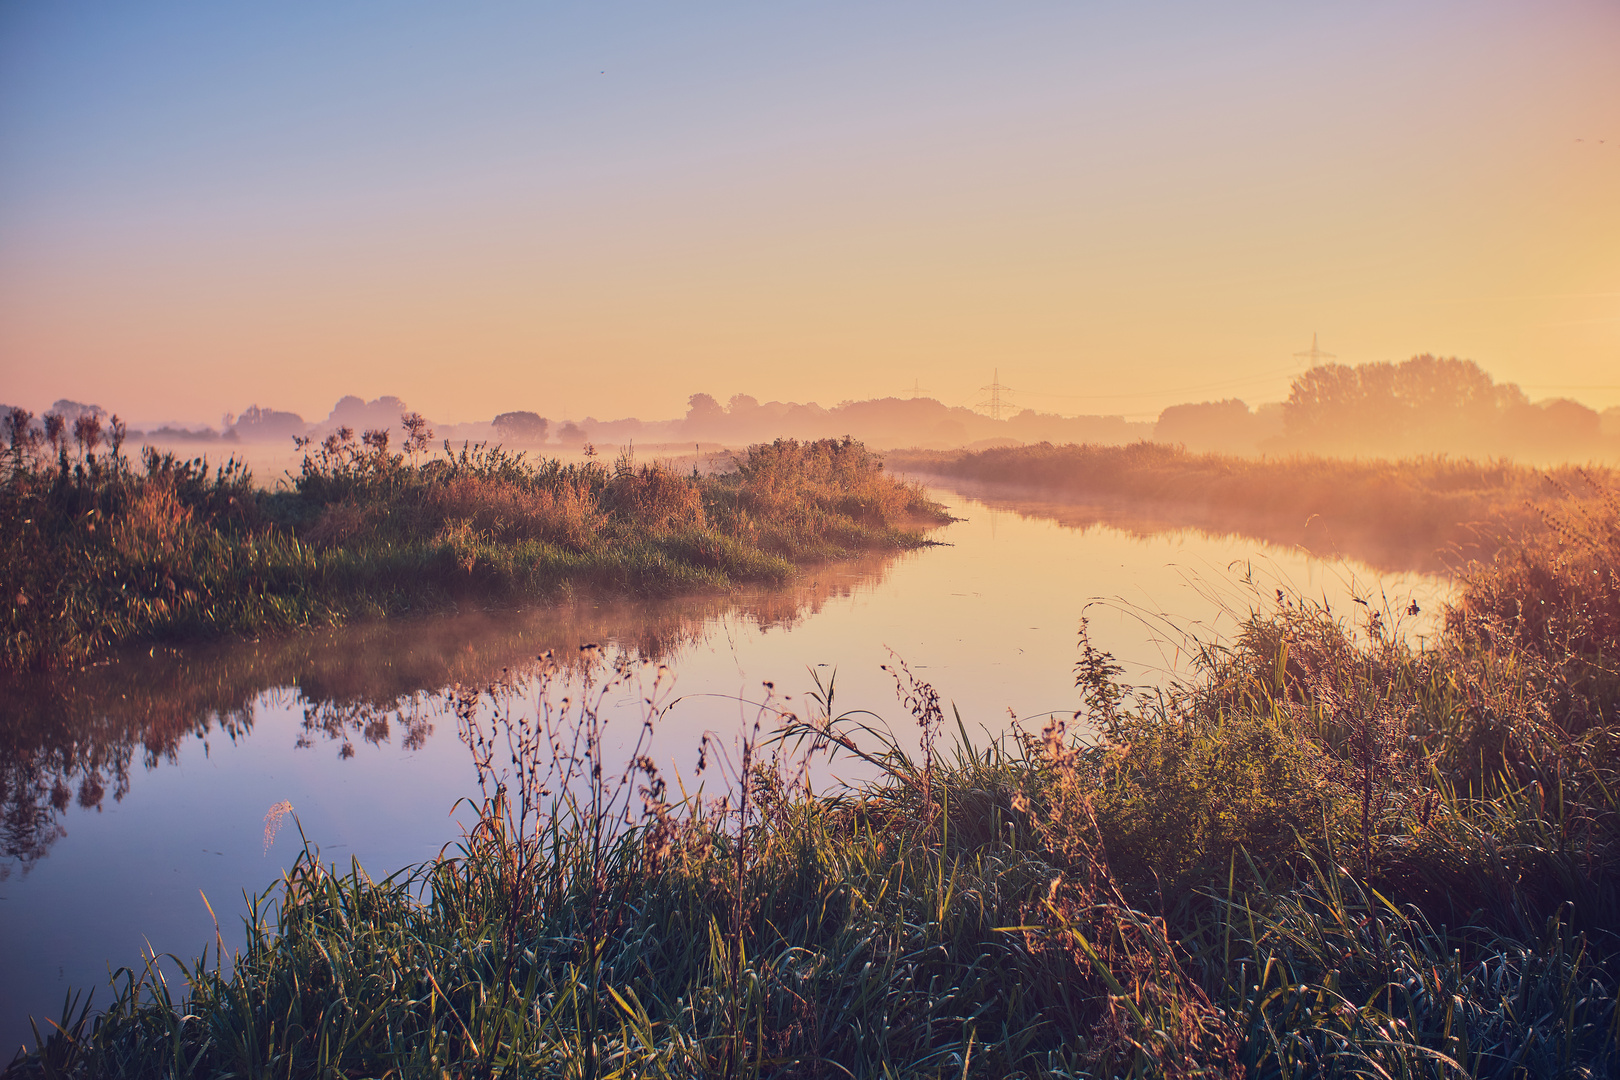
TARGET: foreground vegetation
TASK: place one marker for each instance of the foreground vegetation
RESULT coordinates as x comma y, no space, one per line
1324,854
96,550
1423,513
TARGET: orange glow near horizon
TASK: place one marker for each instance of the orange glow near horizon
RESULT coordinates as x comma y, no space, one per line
1116,215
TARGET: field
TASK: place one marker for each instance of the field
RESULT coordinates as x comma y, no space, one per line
97,551
1327,853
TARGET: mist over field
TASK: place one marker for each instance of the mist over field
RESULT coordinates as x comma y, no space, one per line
1421,406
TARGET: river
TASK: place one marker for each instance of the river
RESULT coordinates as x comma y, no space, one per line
134,789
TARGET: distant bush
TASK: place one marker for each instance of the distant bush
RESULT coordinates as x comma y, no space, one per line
522,427
264,425
1227,427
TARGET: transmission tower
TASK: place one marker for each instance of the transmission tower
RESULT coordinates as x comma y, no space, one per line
918,390
996,396
1315,355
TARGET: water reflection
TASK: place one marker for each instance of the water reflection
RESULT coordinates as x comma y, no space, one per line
76,737
1374,546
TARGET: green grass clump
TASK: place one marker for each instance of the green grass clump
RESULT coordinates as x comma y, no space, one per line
96,551
1324,853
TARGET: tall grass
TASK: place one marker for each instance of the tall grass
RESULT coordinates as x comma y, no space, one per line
96,550
1426,513
1325,853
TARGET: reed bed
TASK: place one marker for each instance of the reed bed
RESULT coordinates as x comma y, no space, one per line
1324,853
1425,513
97,550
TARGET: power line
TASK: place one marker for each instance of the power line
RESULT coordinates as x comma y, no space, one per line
1222,384
1552,386
995,397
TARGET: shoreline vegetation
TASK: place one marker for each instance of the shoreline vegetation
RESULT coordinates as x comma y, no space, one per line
1325,853
1435,514
97,551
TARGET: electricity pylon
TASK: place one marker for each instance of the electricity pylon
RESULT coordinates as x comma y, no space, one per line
997,401
1314,355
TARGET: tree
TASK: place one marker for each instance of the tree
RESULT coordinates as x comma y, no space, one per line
1424,404
1224,426
1324,404
522,427
267,425
704,414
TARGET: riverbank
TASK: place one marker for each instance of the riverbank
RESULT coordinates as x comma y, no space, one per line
1325,852
97,551
1432,514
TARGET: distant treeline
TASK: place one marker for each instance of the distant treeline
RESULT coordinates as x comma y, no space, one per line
881,422
892,421
1424,405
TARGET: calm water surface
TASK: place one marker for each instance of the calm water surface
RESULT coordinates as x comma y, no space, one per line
133,789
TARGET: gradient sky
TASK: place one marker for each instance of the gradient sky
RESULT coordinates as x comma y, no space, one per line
604,208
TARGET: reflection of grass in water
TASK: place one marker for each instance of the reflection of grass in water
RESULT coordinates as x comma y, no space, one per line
1427,514
1326,854
74,737
95,551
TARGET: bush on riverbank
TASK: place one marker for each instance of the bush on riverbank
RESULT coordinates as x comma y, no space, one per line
1325,854
1425,513
96,550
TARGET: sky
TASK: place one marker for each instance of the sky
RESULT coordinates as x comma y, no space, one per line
601,209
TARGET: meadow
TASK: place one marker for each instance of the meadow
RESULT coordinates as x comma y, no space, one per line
97,551
1326,852
1430,513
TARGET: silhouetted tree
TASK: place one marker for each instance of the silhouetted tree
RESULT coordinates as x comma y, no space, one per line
1223,426
1339,407
264,425
1422,405
1556,428
703,413
522,427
